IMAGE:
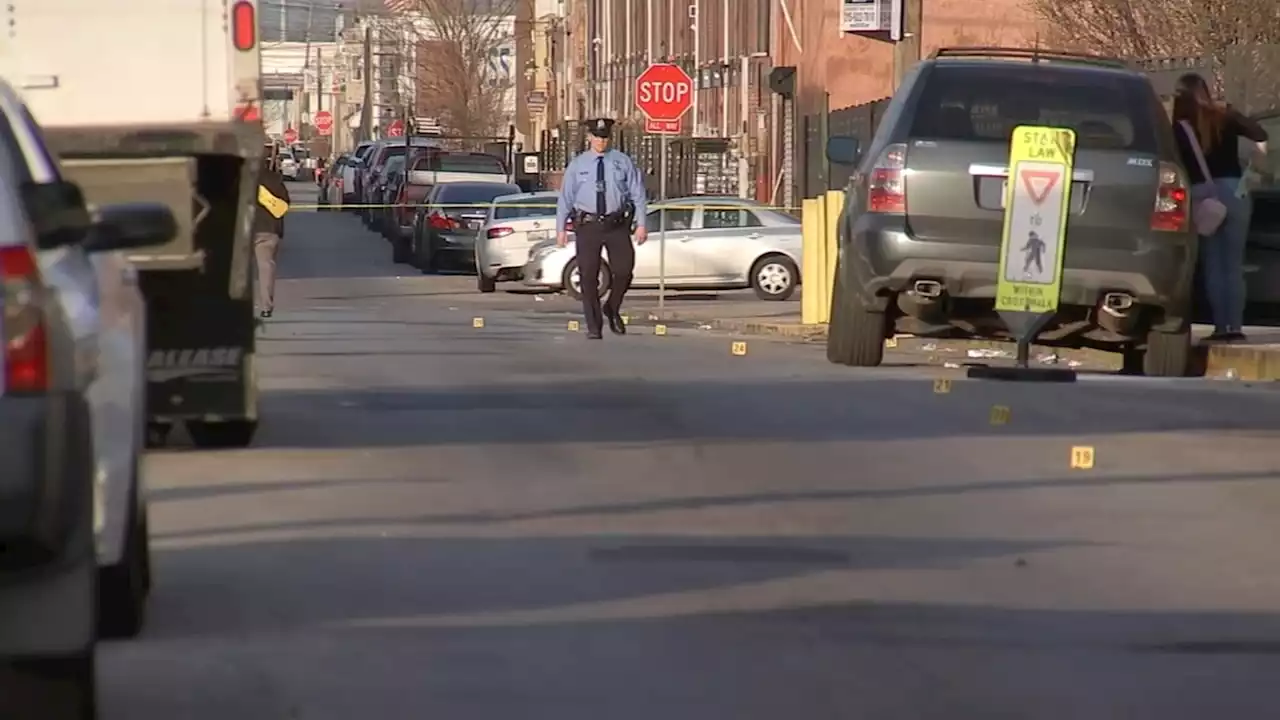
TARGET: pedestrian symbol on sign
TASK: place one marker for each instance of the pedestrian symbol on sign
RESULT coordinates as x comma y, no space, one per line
1033,251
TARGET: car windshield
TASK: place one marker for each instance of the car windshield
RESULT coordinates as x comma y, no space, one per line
474,193
516,209
985,104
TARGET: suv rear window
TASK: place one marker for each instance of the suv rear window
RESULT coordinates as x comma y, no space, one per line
1108,112
449,162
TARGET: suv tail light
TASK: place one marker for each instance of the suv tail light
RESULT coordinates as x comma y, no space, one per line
499,232
26,352
1172,200
886,186
440,222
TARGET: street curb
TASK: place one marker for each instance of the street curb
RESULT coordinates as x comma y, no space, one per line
1242,362
757,327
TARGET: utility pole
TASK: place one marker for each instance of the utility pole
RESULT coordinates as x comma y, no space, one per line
319,82
906,52
366,109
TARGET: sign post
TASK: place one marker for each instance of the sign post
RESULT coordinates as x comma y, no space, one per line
664,93
1037,201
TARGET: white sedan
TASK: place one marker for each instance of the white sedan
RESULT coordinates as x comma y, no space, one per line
711,243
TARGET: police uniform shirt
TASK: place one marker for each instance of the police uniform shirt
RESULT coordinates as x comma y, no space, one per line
621,181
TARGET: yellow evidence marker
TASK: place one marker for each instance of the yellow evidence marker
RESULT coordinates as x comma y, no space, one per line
573,326
738,348
942,386
1081,457
626,319
1000,415
477,322
659,329
891,342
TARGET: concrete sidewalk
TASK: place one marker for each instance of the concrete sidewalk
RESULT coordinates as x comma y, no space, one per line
1258,360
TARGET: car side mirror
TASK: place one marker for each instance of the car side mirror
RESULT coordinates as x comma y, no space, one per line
130,225
57,211
843,149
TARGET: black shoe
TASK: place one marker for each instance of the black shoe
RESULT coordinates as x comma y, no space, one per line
615,321
595,335
264,314
1219,337
1235,336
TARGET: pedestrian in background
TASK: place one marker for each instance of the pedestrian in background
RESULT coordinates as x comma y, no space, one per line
603,193
268,229
1208,134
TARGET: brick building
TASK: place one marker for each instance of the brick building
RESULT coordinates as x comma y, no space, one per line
729,47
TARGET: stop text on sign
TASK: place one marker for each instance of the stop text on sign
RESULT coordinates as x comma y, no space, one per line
662,91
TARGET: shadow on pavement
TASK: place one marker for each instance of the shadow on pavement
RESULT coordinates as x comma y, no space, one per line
204,588
636,411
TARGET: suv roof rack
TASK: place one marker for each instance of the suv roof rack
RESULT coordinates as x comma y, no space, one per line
1032,54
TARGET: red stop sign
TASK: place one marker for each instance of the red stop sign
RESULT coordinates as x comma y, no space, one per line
290,136
324,122
395,129
664,92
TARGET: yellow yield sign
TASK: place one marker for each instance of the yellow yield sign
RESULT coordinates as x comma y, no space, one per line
1037,201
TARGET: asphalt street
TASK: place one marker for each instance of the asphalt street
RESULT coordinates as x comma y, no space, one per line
478,523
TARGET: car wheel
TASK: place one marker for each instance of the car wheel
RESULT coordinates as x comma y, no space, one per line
427,261
123,587
773,277
400,250
52,688
484,283
1168,354
855,334
223,434
572,279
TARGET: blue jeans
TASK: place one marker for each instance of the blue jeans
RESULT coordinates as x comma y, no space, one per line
1222,256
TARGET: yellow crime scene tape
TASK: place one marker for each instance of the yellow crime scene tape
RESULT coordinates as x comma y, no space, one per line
548,206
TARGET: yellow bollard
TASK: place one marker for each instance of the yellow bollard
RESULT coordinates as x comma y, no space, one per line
810,248
835,204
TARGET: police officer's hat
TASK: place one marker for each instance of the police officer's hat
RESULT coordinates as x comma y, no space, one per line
600,127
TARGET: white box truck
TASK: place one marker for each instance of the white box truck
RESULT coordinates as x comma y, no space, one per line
174,117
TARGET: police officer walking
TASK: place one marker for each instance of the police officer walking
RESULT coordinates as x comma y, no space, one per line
603,193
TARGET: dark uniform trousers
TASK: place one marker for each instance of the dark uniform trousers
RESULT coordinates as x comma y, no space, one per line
591,239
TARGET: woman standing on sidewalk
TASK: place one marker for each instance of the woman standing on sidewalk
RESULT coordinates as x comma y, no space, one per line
1208,134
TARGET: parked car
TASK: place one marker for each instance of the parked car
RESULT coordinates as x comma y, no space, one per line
711,243
330,184
428,168
380,193
920,233
73,509
288,165
445,228
352,173
515,224
376,159
1262,249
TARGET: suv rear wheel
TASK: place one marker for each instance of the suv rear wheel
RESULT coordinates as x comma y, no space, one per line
1166,355
855,333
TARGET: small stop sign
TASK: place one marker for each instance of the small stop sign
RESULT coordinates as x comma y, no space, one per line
290,136
664,92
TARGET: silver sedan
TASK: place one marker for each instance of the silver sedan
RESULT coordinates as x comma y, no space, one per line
711,243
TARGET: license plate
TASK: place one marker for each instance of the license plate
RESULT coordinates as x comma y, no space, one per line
539,235
474,224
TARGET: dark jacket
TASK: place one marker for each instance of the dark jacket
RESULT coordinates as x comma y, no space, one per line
263,221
